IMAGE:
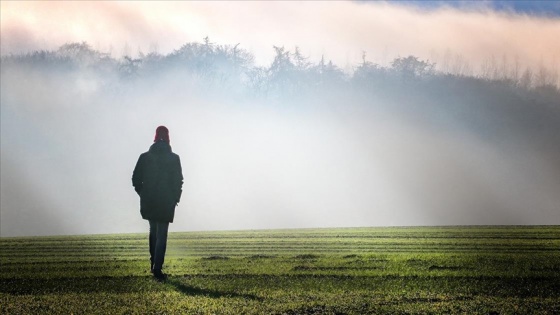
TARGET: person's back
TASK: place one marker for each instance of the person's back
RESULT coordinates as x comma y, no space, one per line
158,179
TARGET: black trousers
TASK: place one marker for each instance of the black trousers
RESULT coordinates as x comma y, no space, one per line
158,243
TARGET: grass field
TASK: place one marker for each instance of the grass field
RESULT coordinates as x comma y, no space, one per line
441,270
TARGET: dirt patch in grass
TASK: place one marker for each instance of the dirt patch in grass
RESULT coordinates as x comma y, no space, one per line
351,256
307,256
215,257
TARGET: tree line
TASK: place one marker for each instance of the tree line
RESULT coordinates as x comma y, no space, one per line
290,74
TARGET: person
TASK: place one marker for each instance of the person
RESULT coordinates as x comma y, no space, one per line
158,180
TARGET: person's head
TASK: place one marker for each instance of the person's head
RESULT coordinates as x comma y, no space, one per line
162,133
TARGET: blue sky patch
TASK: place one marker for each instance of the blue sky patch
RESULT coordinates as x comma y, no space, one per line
550,8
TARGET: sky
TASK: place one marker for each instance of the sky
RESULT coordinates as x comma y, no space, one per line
68,153
471,32
545,8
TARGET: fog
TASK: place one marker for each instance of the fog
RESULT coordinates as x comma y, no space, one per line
334,135
338,157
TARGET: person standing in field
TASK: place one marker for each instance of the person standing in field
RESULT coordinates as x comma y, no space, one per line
158,180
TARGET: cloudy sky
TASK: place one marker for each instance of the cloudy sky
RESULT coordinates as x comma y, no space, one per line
470,31
68,153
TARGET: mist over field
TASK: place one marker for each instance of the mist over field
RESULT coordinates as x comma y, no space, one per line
378,148
285,142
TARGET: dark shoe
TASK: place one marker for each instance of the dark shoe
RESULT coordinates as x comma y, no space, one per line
160,276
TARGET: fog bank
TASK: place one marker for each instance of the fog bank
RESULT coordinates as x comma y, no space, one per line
388,154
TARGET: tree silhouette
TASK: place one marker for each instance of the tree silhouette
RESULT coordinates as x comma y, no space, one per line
411,67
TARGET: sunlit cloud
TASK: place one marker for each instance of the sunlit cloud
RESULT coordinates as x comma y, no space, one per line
340,31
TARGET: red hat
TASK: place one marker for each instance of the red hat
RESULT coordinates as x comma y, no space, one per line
162,133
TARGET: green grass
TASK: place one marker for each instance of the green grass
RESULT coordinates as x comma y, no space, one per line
441,270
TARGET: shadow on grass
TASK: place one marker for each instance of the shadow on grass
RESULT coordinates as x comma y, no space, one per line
194,291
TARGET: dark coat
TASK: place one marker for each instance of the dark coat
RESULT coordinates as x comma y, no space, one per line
158,179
